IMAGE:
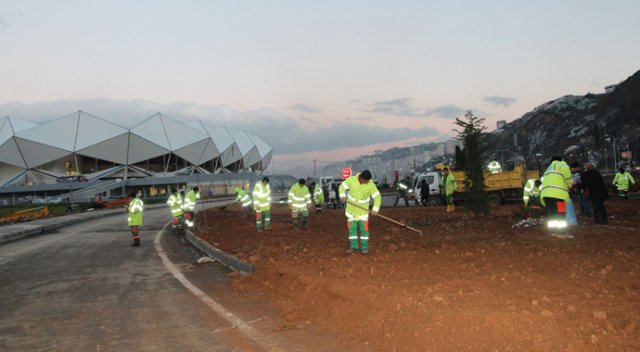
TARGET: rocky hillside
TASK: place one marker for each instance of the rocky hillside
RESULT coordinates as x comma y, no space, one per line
577,125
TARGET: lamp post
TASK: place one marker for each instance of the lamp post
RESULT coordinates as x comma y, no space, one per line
612,140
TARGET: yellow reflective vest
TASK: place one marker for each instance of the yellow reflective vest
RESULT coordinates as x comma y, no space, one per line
556,181
261,197
299,197
135,209
360,195
175,204
622,181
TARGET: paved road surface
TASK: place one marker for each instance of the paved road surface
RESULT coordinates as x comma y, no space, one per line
84,288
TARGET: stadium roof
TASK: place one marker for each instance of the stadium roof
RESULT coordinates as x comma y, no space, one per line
29,146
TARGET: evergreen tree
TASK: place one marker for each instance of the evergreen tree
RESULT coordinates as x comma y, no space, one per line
459,158
471,129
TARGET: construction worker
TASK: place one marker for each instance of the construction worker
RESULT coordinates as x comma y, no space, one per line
404,186
531,198
622,181
357,192
531,193
175,204
448,187
134,209
494,167
299,199
190,205
318,196
262,204
554,195
244,199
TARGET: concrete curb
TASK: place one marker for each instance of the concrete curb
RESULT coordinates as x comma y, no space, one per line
228,260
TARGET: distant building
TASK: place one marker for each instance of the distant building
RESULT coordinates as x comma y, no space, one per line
500,124
450,146
439,151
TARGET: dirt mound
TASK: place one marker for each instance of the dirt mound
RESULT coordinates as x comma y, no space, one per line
470,284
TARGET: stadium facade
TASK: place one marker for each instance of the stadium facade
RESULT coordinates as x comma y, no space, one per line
84,147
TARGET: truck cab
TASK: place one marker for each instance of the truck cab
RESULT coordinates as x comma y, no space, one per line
433,180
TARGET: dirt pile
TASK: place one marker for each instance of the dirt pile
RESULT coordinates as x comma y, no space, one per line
470,284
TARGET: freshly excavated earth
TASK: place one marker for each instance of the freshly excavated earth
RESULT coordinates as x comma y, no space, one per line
470,284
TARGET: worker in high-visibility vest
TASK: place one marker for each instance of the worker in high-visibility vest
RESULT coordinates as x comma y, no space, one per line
531,192
357,192
262,204
622,180
175,205
190,205
402,191
244,199
318,196
299,200
554,195
134,211
494,167
448,187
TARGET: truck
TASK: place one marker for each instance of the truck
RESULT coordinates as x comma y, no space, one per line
502,187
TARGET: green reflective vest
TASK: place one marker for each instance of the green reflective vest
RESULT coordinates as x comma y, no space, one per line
190,200
175,204
556,181
135,209
318,194
448,184
261,197
530,191
299,197
243,197
360,195
494,167
623,180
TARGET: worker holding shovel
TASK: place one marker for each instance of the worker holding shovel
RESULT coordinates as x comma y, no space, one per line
357,191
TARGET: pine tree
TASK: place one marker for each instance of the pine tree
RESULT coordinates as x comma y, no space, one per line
472,127
459,158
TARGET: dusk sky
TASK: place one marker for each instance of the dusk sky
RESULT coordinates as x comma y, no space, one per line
326,80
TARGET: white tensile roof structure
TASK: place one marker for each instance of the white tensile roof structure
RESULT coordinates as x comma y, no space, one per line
80,143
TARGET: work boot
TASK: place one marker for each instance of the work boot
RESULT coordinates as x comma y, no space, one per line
136,242
352,250
365,251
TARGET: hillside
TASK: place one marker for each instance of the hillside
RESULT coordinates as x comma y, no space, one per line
573,125
581,121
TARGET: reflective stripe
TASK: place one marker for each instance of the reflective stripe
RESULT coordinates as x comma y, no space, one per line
556,187
375,194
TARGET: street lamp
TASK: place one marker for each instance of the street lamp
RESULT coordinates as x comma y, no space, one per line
612,140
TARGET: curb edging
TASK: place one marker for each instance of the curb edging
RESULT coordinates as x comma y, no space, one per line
230,261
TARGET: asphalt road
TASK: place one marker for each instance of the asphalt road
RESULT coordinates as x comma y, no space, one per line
84,288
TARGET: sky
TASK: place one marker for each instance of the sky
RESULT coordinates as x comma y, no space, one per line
325,80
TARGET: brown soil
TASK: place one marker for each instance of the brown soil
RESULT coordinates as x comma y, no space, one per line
470,284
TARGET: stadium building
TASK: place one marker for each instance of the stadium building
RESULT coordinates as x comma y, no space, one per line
92,156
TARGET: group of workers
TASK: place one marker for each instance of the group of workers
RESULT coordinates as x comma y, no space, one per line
552,192
356,192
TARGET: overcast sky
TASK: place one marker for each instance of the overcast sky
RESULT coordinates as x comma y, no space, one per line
325,80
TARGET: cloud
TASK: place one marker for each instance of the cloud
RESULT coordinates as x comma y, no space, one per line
303,108
398,107
285,133
504,101
447,111
4,25
402,107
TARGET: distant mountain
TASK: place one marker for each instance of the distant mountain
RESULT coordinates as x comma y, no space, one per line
576,125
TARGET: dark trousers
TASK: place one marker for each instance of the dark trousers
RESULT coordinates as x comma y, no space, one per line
556,211
599,211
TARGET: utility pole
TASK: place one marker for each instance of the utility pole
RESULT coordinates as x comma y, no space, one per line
314,168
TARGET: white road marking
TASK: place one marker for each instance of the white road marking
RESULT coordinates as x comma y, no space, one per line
234,320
